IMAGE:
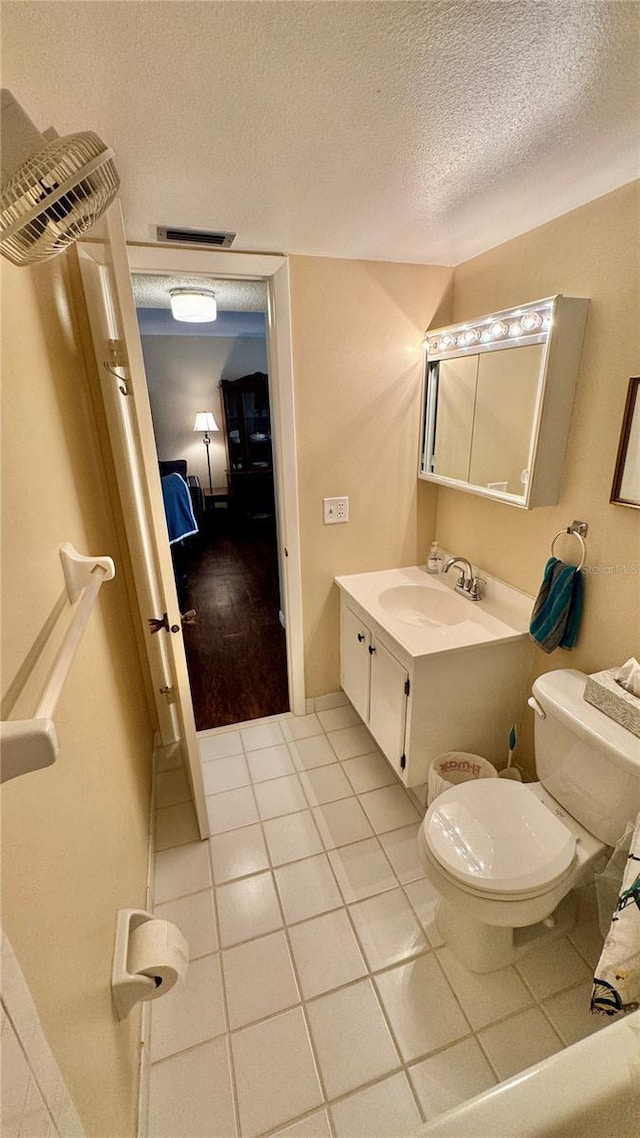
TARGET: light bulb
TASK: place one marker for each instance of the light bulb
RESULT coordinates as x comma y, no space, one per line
516,328
498,329
448,341
530,321
471,336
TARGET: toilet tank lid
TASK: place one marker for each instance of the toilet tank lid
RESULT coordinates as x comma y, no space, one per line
561,695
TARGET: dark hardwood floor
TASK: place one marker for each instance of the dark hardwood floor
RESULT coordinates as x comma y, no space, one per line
236,652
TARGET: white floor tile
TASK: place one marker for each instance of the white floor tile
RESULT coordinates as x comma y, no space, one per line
191,1013
335,718
225,774
313,752
421,1006
552,967
172,787
325,784
401,847
425,901
247,908
379,1111
570,1014
351,741
519,1042
279,796
341,822
191,1094
219,746
485,997
326,953
293,837
307,888
315,1125
175,826
451,1077
262,735
270,762
362,869
369,772
238,853
301,727
351,1038
259,979
389,808
276,1077
387,929
195,918
334,699
184,869
231,809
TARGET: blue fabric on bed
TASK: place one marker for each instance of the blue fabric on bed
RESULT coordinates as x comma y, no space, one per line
177,507
557,613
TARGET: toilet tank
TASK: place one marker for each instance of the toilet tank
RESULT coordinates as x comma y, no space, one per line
589,763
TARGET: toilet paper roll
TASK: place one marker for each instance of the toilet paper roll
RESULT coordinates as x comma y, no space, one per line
158,949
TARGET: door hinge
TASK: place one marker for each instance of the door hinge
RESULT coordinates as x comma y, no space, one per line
169,692
403,762
117,358
407,687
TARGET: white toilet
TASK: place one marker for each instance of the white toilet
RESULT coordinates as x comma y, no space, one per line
504,855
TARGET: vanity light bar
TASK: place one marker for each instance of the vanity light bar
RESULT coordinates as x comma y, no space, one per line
515,325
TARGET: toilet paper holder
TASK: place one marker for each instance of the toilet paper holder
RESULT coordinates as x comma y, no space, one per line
149,957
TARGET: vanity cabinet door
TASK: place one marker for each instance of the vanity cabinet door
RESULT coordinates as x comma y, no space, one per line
355,641
388,703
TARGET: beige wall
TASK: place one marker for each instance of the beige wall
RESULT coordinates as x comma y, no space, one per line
183,373
357,330
594,252
75,836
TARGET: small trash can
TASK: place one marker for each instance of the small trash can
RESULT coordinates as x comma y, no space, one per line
453,767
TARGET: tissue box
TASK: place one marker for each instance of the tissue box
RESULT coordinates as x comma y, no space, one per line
603,692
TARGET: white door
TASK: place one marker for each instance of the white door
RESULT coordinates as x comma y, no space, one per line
388,703
107,286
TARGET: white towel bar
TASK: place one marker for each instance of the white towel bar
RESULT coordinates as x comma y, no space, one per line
30,744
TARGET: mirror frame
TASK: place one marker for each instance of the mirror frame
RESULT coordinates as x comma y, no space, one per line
623,446
561,332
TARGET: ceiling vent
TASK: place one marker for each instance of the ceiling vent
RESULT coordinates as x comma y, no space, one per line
205,238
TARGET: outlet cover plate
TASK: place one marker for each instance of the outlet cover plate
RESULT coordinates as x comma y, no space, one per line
335,510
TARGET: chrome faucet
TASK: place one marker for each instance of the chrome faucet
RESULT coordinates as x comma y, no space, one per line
467,584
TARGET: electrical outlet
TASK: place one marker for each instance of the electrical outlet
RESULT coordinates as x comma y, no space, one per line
335,510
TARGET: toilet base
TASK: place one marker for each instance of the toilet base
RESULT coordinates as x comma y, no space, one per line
485,948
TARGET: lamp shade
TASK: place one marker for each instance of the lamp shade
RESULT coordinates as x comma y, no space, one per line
205,422
193,305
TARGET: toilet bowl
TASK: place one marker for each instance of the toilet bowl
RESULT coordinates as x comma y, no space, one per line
504,856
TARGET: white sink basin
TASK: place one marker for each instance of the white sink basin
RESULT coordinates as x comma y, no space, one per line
422,604
425,616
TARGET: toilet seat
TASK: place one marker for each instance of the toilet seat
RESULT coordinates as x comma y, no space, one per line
496,838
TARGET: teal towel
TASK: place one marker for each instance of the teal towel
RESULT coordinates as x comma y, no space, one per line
556,615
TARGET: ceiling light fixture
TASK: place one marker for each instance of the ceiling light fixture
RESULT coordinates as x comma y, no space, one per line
193,305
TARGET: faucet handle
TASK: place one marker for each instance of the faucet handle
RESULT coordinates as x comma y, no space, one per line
475,588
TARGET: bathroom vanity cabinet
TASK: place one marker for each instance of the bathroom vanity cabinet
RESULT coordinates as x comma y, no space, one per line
426,688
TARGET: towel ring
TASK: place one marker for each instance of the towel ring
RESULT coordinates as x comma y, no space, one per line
571,533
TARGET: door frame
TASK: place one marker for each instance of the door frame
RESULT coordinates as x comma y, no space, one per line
273,269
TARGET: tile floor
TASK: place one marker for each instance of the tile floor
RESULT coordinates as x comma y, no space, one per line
320,999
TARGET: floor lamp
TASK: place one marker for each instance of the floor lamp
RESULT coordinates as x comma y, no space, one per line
205,422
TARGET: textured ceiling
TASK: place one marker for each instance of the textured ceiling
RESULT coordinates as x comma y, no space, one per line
232,296
420,131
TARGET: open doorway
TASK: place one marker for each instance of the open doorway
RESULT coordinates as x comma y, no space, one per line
226,563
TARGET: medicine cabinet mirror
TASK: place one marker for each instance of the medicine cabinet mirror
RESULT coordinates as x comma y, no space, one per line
498,394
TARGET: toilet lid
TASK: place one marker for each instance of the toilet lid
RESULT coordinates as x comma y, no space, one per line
495,834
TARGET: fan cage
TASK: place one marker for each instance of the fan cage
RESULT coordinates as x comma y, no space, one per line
55,196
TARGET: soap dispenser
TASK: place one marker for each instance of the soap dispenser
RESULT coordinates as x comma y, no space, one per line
434,560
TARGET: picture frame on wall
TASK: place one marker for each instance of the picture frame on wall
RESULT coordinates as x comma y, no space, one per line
626,479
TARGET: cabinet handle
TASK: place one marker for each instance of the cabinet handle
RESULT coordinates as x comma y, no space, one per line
361,636
371,649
